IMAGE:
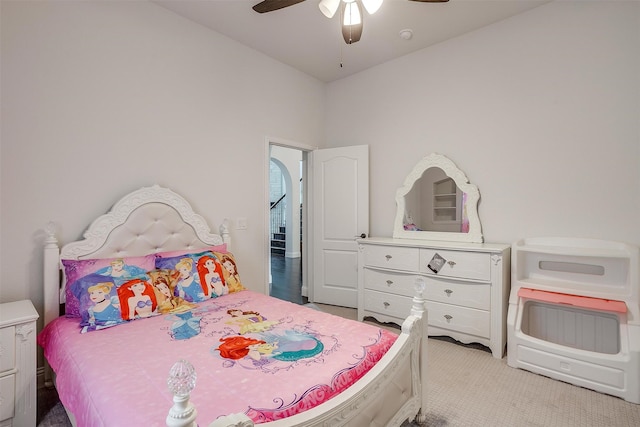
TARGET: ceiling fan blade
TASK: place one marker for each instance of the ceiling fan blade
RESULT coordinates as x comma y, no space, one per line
271,5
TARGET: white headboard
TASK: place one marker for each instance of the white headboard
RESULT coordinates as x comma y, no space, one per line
148,220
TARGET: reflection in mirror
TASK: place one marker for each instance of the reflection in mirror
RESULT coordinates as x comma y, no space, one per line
437,202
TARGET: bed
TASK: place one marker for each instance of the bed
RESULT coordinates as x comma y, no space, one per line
153,345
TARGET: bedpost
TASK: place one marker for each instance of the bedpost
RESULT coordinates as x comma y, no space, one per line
224,231
418,309
51,277
181,381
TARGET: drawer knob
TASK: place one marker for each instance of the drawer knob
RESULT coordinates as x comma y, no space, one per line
448,317
386,304
389,282
388,257
448,292
451,263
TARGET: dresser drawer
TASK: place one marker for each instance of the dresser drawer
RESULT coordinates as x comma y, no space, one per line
466,265
466,294
397,258
389,304
466,320
7,396
7,348
390,281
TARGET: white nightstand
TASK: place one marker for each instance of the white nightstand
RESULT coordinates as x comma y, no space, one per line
18,364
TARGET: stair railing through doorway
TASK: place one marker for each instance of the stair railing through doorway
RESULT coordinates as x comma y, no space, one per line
278,225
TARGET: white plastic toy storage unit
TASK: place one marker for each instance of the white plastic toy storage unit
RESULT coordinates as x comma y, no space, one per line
574,313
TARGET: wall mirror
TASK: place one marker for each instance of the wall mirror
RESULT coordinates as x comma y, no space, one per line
437,202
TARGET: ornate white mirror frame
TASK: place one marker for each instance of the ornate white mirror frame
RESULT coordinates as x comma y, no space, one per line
436,160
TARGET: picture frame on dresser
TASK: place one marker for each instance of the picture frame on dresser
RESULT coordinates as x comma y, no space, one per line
437,239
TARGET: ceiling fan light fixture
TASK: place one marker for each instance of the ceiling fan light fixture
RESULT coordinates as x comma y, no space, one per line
372,6
352,15
351,22
328,7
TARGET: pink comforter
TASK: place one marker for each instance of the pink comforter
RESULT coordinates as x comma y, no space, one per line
252,353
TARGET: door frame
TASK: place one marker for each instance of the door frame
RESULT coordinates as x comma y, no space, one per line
307,212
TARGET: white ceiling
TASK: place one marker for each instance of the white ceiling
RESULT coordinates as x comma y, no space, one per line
301,36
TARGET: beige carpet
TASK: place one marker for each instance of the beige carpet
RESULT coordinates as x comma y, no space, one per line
468,387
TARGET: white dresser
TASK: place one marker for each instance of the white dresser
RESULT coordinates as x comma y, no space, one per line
467,298
18,364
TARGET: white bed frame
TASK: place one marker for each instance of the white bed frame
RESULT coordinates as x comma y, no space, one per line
155,219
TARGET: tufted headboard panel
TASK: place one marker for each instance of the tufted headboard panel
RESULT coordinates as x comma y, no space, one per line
151,228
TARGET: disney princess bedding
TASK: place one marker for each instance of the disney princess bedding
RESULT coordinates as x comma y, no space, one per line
252,353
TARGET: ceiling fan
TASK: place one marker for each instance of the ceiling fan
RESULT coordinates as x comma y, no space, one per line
351,13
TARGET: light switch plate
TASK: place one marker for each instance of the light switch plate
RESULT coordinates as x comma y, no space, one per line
241,224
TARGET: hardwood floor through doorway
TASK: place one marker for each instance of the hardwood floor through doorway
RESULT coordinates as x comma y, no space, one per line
286,279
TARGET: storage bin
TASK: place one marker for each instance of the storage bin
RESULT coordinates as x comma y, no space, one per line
574,313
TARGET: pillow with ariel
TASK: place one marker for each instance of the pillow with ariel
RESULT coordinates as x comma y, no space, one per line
199,276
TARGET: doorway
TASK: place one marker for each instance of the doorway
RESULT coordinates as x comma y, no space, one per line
287,223
330,220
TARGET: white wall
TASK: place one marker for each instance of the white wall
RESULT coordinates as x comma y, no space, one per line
542,112
101,98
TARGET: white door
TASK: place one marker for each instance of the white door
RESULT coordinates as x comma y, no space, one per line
340,215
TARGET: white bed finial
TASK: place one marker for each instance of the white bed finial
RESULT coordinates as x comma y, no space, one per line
224,231
181,381
417,308
50,229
